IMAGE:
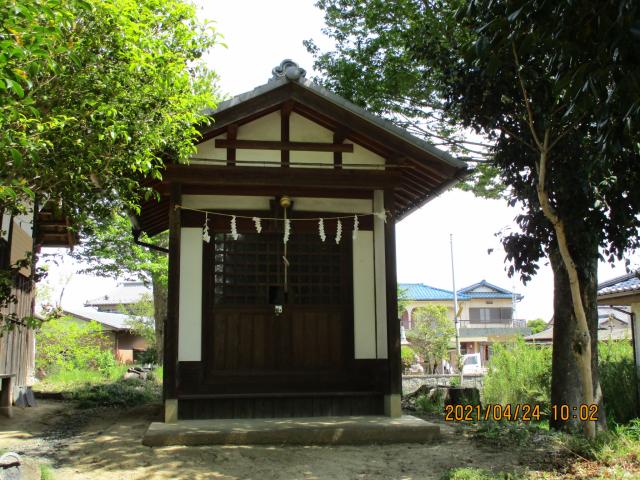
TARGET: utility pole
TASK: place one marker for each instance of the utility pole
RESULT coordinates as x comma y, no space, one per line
456,320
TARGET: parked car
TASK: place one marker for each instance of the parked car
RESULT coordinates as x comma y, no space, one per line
472,364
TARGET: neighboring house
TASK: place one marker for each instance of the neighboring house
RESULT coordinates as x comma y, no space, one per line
21,236
125,344
118,299
265,320
486,313
614,323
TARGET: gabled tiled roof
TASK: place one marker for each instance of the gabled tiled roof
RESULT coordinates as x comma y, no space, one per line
114,321
628,283
124,294
420,291
498,292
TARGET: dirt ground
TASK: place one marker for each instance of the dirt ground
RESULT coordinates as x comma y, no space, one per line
106,444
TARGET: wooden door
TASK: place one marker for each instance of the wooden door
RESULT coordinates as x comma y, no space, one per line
245,280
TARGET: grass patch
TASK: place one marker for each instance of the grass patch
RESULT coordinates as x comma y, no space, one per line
121,393
511,433
614,453
103,388
46,472
479,474
72,379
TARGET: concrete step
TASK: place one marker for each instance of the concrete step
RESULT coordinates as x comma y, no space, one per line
293,431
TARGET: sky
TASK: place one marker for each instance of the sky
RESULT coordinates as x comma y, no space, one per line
258,36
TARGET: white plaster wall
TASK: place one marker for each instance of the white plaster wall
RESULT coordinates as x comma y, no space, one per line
263,128
302,129
362,156
337,205
364,303
380,276
226,202
190,309
208,150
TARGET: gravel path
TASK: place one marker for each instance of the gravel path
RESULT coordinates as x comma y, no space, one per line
106,444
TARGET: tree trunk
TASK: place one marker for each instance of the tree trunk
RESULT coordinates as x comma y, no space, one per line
566,386
159,314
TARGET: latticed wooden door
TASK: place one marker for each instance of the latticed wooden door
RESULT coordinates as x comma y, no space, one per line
256,321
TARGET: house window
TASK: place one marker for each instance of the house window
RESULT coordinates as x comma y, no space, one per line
490,315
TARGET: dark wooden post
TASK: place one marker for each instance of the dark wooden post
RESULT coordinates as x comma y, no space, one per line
171,331
285,116
392,402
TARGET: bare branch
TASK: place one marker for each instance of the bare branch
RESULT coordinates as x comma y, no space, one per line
526,98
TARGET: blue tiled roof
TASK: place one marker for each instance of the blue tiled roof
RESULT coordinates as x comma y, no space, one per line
498,292
624,284
420,291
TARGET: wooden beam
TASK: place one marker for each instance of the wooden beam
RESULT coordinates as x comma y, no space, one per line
282,177
393,326
372,131
248,111
171,331
274,145
232,133
339,136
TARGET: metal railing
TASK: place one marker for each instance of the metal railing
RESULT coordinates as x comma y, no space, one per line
512,323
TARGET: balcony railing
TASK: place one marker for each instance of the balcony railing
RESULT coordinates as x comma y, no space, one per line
513,323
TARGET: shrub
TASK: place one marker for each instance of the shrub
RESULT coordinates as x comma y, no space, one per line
432,402
519,373
63,344
618,380
408,356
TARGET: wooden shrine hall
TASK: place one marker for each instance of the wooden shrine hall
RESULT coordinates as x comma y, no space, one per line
282,272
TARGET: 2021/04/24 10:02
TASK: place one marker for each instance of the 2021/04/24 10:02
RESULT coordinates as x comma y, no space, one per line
522,412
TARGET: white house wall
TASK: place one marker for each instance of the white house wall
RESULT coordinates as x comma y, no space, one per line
190,311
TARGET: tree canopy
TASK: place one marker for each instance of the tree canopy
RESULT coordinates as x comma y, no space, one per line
432,334
552,92
95,97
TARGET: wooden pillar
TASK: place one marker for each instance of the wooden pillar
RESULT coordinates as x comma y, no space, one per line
392,399
232,134
285,116
171,331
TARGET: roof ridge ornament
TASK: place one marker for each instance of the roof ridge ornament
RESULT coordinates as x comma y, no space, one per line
288,69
